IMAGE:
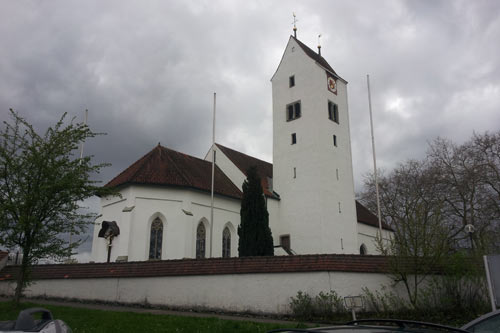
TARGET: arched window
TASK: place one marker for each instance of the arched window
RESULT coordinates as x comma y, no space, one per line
155,241
200,240
226,243
363,250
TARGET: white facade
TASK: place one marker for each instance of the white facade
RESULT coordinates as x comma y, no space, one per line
315,205
312,176
249,293
173,206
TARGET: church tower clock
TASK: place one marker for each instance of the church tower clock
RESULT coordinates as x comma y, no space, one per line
312,161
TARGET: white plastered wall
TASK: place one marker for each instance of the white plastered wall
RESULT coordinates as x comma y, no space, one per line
367,235
256,293
310,199
173,206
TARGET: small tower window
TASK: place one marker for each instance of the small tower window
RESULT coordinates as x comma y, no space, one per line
293,111
294,172
294,138
291,81
335,140
337,172
333,112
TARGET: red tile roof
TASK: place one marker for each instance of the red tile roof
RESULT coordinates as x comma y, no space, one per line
163,166
213,266
244,162
365,216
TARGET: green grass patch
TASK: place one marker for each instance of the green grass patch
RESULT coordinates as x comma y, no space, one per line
89,320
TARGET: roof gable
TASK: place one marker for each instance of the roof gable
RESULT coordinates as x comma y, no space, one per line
163,166
365,216
318,59
243,162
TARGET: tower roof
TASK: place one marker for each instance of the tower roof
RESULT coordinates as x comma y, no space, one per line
163,166
315,56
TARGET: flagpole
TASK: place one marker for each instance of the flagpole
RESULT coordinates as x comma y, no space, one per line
212,184
79,162
374,158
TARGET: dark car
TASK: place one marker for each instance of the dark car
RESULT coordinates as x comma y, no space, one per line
379,326
488,323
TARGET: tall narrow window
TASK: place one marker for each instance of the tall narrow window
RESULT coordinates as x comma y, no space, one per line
294,172
200,240
294,138
335,140
293,111
226,243
337,172
291,81
155,240
333,112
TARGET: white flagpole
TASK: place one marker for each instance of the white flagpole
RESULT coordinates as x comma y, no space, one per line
374,158
212,187
80,162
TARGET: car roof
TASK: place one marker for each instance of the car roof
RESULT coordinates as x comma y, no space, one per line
480,319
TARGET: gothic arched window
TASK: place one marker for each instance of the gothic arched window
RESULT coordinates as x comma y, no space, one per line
363,250
226,243
200,240
155,241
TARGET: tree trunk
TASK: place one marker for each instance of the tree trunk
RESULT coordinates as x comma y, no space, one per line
21,280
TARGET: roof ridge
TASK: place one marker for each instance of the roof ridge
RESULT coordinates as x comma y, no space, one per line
181,173
239,152
140,161
315,56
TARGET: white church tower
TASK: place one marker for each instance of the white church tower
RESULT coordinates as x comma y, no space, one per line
312,161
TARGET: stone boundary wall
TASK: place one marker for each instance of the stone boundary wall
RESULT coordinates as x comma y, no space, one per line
253,284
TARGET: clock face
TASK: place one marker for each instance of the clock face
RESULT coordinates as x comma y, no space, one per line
332,85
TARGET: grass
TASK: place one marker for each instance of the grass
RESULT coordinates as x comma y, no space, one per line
89,320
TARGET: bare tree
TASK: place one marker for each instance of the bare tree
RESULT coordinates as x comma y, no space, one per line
420,240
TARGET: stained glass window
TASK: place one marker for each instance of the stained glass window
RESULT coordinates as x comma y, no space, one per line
200,241
226,243
155,241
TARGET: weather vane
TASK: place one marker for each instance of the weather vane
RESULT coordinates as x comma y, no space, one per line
295,25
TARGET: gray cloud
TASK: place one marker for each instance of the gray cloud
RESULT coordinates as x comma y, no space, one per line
147,71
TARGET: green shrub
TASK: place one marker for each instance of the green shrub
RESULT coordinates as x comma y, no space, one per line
302,306
322,306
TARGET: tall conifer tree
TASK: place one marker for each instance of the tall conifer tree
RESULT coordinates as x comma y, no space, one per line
255,238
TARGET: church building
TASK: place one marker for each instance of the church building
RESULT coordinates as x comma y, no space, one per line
164,211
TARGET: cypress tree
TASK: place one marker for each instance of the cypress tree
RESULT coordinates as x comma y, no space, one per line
255,238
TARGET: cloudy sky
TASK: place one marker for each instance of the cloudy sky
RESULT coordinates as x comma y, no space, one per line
147,70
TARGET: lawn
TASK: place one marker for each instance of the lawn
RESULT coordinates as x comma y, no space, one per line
89,320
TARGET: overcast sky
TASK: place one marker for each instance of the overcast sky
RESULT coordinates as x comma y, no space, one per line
147,70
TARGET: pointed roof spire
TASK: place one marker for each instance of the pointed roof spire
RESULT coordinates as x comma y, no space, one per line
295,25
